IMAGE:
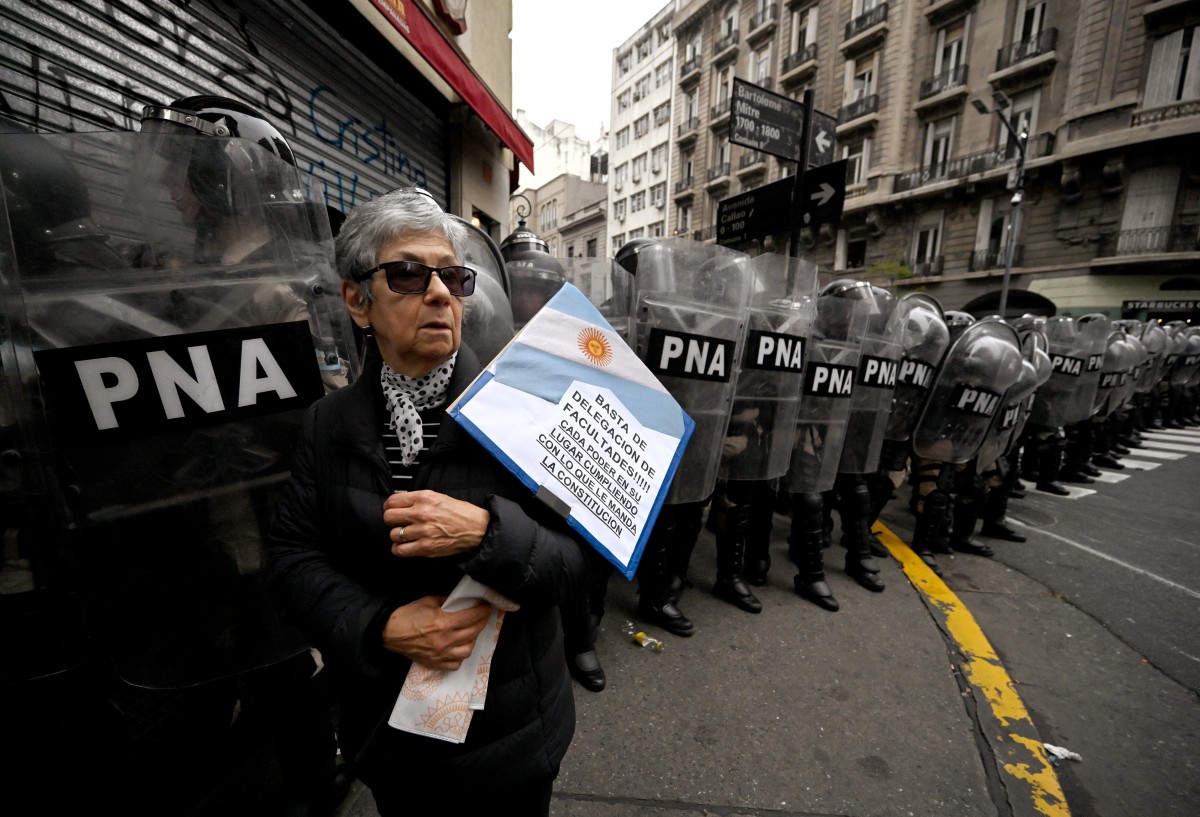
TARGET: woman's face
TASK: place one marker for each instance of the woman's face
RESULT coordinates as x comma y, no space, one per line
414,332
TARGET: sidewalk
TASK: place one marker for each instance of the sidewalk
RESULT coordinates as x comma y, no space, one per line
796,711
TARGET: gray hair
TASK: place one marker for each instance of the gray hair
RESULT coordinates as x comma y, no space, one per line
370,225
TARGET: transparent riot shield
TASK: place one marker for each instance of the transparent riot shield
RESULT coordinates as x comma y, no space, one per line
170,390
1069,351
875,382
487,322
1154,339
1006,429
690,324
758,443
1193,356
1094,330
608,286
977,372
1120,357
833,359
924,339
1179,368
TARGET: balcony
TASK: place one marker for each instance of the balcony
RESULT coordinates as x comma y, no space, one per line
1019,61
1165,113
995,258
687,129
1175,238
720,113
725,48
945,91
858,109
963,166
689,69
762,25
706,234
940,10
865,30
683,187
752,161
925,269
800,65
718,175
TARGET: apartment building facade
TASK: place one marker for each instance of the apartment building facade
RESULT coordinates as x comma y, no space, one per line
1107,95
640,146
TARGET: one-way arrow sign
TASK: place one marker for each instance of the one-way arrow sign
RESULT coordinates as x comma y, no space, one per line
822,142
824,193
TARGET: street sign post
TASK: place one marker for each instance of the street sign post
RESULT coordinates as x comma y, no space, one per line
823,143
755,213
823,194
765,121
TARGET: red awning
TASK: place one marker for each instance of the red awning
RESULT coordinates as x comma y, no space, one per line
411,20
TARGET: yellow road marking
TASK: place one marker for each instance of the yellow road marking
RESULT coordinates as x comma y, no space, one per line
1024,760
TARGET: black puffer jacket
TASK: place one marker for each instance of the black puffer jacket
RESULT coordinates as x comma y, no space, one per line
331,559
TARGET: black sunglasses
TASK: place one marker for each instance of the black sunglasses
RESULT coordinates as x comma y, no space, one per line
412,277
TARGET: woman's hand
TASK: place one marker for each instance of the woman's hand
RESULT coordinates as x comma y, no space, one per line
426,523
427,635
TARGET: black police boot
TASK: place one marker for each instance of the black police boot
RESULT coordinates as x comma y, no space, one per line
731,558
1107,461
805,551
1050,456
930,521
854,506
585,668
758,534
962,528
657,603
995,509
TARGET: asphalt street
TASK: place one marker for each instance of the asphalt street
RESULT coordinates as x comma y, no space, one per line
935,697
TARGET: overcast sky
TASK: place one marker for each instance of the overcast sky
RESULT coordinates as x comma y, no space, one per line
562,57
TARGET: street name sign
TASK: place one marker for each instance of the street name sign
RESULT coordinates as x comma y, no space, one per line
755,213
765,121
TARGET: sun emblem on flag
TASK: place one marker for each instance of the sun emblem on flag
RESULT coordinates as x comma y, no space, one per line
595,346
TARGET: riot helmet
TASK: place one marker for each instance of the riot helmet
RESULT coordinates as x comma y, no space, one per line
627,256
957,321
534,274
48,205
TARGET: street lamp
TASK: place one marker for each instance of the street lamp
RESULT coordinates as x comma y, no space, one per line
1002,103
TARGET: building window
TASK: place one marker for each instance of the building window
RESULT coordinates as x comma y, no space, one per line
636,232
1174,70
1022,116
623,138
937,147
662,74
624,100
662,114
1149,209
1032,14
856,253
571,250
548,216
762,65
683,218
637,202
619,210
857,154
643,49
641,126
591,248
639,165
618,241
729,21
951,42
664,34
621,174
928,245
861,82
721,152
658,194
658,158
722,84
692,49
657,230
804,28
691,103
624,64
642,89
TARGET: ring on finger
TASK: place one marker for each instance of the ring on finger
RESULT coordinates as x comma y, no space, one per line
402,537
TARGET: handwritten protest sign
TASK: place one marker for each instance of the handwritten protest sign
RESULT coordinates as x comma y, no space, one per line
571,410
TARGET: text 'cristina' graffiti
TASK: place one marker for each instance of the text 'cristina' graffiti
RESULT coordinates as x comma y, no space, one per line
371,144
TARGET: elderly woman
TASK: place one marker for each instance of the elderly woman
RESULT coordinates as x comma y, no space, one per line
390,504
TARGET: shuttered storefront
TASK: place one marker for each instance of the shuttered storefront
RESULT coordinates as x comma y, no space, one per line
91,65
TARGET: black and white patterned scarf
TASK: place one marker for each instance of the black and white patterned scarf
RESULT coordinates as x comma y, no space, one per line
406,396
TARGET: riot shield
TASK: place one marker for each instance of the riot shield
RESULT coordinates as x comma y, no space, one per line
978,370
758,443
1154,339
1094,330
487,321
923,341
689,329
1179,367
1120,358
1006,429
1069,351
833,358
170,393
608,286
875,381
1193,356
